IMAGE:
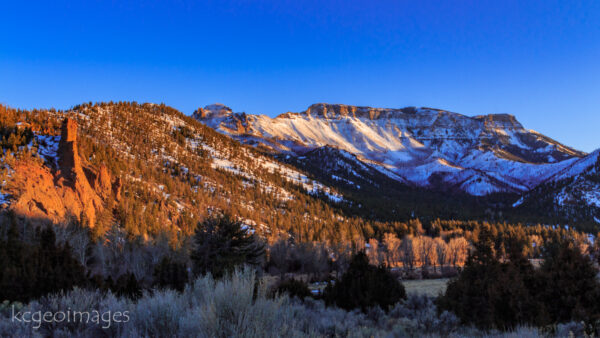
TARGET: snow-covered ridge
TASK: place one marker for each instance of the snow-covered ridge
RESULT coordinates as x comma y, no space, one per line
578,167
573,190
480,155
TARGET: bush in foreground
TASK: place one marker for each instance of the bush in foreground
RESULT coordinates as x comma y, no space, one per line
232,306
293,288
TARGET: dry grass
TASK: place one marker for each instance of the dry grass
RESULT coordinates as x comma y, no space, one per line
429,287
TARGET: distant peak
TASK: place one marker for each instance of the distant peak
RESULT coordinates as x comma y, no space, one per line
212,111
217,106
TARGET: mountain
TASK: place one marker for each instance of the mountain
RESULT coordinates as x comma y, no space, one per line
572,193
424,147
151,172
425,161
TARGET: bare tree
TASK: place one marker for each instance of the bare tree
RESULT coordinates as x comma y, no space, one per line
279,256
410,248
392,249
374,252
428,252
442,251
458,250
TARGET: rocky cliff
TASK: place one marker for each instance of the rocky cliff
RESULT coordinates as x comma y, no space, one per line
74,189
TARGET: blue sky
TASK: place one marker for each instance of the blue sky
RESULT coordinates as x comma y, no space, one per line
538,60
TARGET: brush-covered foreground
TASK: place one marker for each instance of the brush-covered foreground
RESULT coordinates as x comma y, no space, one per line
241,306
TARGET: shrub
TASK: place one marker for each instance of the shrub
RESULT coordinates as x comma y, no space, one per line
294,288
364,286
237,306
170,274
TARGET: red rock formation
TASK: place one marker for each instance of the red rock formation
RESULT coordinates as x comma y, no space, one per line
69,162
81,198
103,184
68,192
37,197
117,188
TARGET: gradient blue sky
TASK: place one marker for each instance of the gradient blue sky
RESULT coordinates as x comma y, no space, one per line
538,60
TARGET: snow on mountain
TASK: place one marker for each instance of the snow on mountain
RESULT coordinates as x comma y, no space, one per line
572,192
423,146
580,182
232,165
583,165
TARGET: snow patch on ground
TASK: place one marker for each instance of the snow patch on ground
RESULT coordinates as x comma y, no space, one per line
519,202
592,198
313,187
4,198
48,147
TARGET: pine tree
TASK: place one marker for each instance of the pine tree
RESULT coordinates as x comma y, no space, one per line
568,286
364,286
221,244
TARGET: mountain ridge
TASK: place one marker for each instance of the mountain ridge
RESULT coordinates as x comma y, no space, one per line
408,140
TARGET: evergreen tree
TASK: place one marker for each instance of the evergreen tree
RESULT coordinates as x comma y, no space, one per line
294,288
489,293
568,285
364,286
28,271
127,286
221,244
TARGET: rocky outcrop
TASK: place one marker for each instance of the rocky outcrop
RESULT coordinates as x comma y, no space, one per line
36,194
117,186
236,123
215,110
103,182
336,111
69,161
74,190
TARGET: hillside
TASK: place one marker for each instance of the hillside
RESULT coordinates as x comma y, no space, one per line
572,193
172,172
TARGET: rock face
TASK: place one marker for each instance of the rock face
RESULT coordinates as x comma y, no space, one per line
102,183
212,111
74,190
236,123
37,196
69,161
